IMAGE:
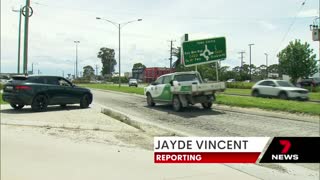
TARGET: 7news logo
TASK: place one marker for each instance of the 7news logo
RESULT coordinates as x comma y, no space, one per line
284,152
292,150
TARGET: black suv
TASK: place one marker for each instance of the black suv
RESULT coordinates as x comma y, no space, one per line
310,82
41,91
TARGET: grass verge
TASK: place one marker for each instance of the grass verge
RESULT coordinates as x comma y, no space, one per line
269,104
239,101
312,95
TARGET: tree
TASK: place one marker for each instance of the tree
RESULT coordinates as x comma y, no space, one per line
274,68
297,60
108,61
138,65
88,72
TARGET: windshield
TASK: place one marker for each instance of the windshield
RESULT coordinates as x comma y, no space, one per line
187,77
285,84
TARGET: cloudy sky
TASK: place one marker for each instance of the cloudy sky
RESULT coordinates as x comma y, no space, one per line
269,24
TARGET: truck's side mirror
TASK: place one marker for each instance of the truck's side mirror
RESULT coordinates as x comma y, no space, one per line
154,83
171,82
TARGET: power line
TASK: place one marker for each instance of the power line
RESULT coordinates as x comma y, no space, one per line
291,25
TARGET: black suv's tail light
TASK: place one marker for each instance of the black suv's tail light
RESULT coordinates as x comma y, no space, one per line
23,88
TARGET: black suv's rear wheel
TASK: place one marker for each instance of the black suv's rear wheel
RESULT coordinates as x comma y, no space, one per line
39,103
85,101
17,106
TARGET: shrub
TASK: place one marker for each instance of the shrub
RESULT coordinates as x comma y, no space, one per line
240,85
81,81
312,89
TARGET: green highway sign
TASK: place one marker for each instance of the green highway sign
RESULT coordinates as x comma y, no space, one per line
204,51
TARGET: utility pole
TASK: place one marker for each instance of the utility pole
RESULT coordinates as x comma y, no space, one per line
171,49
315,29
250,60
96,70
26,32
266,64
241,63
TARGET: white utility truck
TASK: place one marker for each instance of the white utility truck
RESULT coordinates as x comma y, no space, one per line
182,89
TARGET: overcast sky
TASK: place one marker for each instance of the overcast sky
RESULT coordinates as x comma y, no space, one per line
56,24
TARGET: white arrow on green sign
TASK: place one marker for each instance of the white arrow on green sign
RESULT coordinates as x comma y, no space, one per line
204,51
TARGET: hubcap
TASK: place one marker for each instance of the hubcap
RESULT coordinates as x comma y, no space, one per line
176,103
149,100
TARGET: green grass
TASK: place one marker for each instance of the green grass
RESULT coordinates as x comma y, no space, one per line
269,104
312,96
125,89
1,101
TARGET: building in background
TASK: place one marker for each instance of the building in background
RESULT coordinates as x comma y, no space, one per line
128,74
152,73
137,73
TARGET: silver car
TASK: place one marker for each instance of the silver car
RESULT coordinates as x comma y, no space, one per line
133,82
278,88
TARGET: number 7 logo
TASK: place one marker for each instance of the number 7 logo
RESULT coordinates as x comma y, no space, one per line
286,146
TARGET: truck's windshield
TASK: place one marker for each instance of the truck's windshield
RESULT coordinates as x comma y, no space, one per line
187,77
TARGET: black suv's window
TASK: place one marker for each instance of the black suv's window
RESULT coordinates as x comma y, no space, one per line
52,80
39,80
63,82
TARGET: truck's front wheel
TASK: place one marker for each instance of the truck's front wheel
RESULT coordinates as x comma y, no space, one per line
176,104
207,105
150,101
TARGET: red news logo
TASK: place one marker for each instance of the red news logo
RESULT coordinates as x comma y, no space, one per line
284,153
286,146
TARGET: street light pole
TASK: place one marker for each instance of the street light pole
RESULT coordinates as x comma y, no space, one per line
77,42
250,60
119,26
266,64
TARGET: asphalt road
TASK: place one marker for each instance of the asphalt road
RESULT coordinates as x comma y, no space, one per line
195,120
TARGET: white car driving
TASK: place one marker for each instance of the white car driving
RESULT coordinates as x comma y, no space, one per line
279,88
